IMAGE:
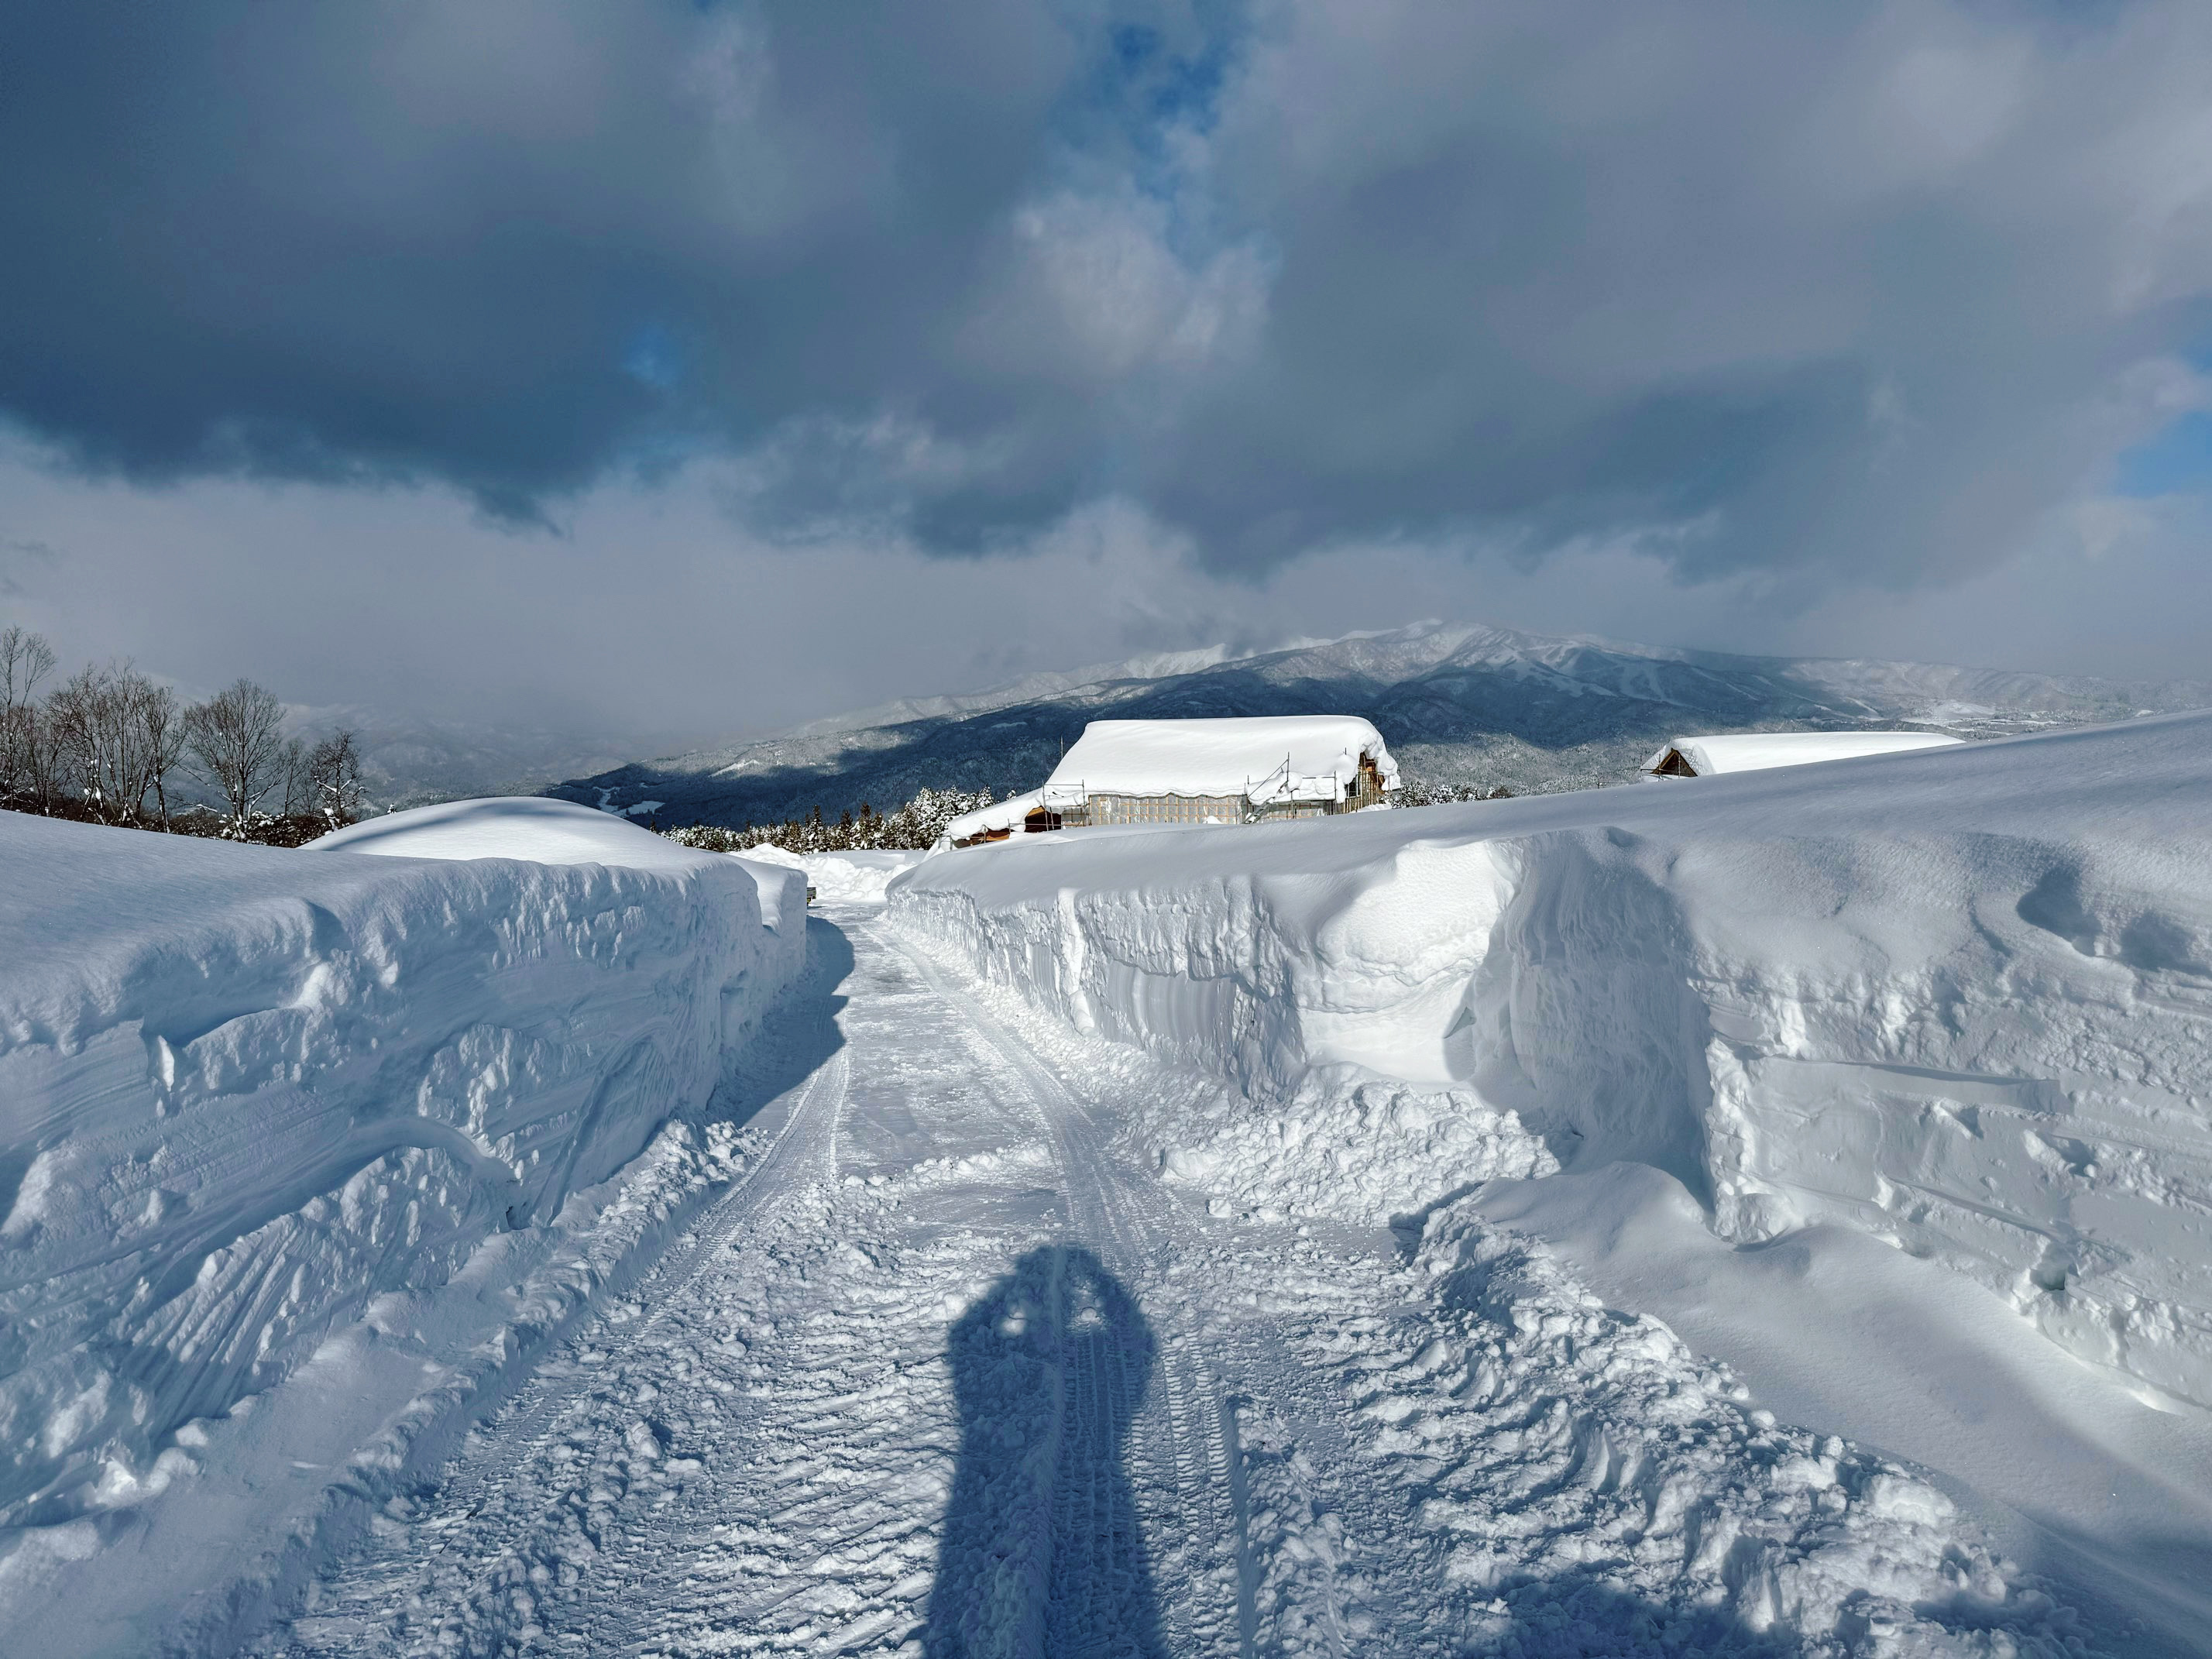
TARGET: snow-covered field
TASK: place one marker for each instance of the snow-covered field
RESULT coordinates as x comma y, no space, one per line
1956,1002
1758,1215
302,1154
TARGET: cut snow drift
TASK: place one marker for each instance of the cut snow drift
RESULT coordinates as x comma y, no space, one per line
260,1106
1960,1001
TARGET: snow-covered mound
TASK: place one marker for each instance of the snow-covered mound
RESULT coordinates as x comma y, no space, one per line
513,827
1959,999
858,876
289,1145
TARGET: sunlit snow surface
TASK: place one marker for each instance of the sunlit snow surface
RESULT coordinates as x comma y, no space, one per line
301,1152
1956,1002
513,827
1428,1233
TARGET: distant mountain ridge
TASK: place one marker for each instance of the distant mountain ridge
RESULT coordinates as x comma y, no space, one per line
1458,703
409,760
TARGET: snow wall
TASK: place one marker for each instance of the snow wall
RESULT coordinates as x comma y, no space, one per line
1960,1000
248,1095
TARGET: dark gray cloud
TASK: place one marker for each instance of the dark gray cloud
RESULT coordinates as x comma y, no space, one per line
1845,293
510,246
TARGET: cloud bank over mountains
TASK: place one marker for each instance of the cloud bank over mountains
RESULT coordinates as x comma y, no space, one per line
1819,299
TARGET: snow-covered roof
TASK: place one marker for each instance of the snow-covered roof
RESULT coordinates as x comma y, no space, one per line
1005,814
1283,757
1755,751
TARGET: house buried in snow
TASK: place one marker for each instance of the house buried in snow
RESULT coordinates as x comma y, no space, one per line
1197,771
1755,751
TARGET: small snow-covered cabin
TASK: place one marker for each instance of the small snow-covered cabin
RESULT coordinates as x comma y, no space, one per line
995,821
1197,771
1755,751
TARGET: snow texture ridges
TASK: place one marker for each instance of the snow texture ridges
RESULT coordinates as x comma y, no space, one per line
262,1105
1583,1479
1960,1000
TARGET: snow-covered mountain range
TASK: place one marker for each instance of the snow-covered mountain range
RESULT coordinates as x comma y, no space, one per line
1459,703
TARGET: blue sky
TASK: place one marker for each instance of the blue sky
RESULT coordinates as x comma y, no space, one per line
2175,461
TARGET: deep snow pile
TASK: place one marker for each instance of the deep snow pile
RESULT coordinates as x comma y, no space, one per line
260,1106
1495,1461
1959,999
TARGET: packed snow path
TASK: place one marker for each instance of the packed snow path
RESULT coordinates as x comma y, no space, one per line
765,1449
944,1373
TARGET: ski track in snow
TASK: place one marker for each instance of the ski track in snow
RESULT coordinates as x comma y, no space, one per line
814,1429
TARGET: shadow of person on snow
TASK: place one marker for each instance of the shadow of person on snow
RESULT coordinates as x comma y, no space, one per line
1042,1552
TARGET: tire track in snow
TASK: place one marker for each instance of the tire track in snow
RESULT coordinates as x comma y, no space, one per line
1137,1227
812,1116
827,1537
497,1462
757,1451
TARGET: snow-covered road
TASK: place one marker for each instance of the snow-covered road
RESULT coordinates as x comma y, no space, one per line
947,1372
774,1446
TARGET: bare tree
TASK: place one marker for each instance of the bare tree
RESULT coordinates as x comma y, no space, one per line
118,733
25,659
334,770
46,756
298,788
233,736
78,713
163,727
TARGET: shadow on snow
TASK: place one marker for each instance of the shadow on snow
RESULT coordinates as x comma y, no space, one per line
1042,1552
799,1033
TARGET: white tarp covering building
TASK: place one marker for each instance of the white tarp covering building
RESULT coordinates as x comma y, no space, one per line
1755,751
1199,771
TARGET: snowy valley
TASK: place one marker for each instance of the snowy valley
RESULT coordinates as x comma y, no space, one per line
1463,704
1753,1215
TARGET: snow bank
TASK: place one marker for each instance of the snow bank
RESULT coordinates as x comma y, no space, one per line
1959,1000
1755,751
514,827
257,1105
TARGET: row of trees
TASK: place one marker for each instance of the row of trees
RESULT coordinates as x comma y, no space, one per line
919,823
110,745
1416,793
915,826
